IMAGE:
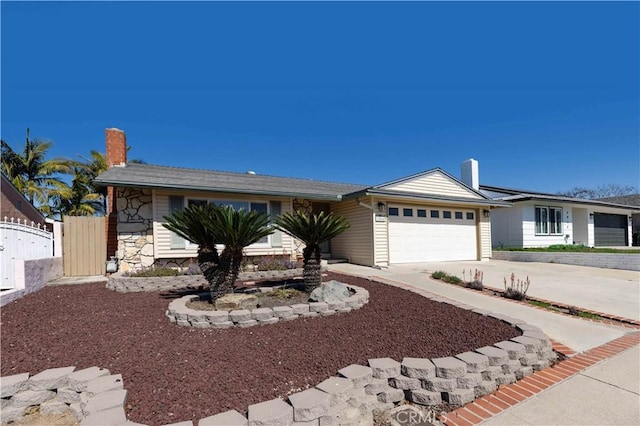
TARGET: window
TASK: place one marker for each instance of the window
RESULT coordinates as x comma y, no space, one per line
469,215
422,213
407,212
458,215
435,213
237,205
548,220
393,211
446,214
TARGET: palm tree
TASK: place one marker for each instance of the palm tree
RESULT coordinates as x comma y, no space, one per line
194,224
312,230
34,175
235,229
83,200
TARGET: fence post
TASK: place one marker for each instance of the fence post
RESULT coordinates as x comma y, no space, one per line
57,239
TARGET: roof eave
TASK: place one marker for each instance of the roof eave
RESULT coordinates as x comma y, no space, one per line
324,197
427,197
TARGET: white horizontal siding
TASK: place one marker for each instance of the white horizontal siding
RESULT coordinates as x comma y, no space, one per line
506,227
356,243
162,236
434,183
485,236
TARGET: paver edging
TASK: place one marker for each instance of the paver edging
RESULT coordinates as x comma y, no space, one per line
178,312
90,395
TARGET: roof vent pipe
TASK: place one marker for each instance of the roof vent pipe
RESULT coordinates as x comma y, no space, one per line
251,172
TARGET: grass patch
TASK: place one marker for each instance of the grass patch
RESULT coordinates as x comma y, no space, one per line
569,248
540,304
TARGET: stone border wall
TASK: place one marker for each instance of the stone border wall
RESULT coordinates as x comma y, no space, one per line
628,261
93,395
179,313
122,284
31,276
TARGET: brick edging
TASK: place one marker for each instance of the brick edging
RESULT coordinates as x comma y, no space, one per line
507,396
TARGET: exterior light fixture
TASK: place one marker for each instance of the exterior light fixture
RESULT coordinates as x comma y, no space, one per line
485,213
381,207
591,215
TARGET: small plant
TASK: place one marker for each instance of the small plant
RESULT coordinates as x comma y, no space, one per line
517,289
153,272
438,275
475,279
275,263
192,269
574,311
447,278
285,293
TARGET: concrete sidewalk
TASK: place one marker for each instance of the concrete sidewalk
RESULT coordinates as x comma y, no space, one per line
575,333
605,394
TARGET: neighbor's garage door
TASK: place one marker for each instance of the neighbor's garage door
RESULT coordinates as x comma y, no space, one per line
431,234
610,229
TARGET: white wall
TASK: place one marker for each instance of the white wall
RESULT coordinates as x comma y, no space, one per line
31,276
506,227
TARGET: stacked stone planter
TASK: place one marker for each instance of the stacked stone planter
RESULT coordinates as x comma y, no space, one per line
179,313
93,396
123,284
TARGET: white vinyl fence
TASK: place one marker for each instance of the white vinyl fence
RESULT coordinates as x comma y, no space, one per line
21,241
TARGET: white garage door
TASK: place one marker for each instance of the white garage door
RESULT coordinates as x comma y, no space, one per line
418,234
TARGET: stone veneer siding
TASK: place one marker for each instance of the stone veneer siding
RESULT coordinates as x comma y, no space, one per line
179,313
628,261
135,228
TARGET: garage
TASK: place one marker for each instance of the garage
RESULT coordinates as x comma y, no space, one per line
610,230
431,234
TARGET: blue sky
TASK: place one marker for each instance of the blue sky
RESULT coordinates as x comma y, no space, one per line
545,95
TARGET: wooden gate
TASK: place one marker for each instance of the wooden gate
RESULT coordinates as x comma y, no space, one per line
84,246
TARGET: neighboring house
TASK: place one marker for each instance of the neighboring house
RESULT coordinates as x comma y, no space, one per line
539,219
14,205
629,200
429,216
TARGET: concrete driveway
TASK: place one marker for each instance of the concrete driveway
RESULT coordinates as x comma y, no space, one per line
612,291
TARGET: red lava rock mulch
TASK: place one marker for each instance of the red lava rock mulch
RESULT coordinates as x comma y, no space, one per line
175,373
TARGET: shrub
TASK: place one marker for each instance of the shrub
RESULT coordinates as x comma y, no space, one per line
438,275
275,263
475,279
452,279
447,278
517,289
574,311
153,272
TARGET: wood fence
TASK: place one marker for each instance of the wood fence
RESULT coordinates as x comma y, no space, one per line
84,246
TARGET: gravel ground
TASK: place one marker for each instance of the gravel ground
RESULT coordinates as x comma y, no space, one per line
178,373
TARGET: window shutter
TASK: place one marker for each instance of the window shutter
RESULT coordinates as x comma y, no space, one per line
276,237
176,204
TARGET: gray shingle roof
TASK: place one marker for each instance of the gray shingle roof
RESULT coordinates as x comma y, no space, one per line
629,200
150,176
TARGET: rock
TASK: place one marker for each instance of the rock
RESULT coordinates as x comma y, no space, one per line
232,302
331,290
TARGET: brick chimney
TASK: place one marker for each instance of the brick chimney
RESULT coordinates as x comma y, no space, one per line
116,147
116,156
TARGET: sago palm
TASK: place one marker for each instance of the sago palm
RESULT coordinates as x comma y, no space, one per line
194,224
235,229
312,230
